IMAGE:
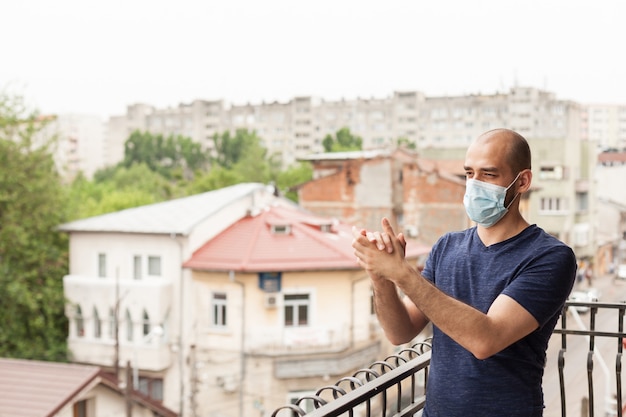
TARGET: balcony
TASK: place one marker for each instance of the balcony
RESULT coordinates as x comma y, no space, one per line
395,386
142,305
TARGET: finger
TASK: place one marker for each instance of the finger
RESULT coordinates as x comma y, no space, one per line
402,239
387,242
375,237
387,226
356,232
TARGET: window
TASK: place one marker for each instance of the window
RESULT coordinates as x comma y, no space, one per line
218,309
553,204
154,266
129,327
551,172
97,324
281,229
137,267
582,201
307,404
102,265
581,234
152,387
146,323
270,281
296,310
79,322
80,409
112,323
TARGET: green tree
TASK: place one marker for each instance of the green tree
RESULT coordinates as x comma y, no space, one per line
174,157
229,149
343,141
218,177
33,254
406,143
119,188
293,176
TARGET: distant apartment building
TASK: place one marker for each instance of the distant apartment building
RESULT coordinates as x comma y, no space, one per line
564,202
605,124
297,128
77,143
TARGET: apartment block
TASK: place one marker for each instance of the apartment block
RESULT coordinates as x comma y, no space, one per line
297,128
605,124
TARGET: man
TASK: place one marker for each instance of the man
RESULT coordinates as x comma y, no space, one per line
493,292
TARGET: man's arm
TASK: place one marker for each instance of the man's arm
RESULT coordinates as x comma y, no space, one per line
398,316
481,334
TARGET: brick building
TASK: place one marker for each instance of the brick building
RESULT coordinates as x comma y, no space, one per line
424,198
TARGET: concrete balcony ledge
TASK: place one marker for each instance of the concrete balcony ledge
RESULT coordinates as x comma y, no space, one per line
153,295
280,341
326,364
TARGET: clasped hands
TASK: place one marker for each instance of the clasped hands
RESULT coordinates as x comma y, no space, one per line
381,254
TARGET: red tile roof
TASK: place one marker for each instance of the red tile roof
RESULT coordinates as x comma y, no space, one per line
251,245
40,389
615,157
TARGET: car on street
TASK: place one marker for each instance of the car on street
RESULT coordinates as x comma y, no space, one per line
584,296
621,271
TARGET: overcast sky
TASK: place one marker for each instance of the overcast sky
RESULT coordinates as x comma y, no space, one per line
97,57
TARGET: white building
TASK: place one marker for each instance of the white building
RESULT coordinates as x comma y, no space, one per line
225,302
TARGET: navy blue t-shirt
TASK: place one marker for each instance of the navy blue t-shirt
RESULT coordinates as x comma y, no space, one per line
533,268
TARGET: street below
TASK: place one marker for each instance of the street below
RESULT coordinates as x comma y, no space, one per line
576,356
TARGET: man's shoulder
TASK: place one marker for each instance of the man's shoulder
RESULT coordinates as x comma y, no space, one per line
540,241
539,234
454,240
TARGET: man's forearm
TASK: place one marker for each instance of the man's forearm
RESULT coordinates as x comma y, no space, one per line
400,325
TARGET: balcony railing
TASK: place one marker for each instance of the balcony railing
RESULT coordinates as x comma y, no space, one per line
395,386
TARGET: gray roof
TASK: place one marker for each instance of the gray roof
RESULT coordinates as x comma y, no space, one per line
367,154
175,216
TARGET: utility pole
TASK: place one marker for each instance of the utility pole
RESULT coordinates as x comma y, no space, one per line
116,364
128,391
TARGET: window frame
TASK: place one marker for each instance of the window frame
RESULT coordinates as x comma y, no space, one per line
219,310
293,320
102,265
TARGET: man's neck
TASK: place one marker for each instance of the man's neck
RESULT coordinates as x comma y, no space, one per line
505,229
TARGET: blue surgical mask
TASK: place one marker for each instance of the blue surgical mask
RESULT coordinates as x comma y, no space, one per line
484,202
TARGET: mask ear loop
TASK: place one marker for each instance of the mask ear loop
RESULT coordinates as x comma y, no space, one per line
516,194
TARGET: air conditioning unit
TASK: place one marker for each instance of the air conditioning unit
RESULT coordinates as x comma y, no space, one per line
272,299
227,383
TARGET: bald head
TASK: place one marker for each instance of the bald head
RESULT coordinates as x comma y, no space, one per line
517,150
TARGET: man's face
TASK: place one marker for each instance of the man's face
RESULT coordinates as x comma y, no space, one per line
486,160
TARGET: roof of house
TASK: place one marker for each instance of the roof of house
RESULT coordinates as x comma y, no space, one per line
362,154
310,242
606,157
41,389
174,216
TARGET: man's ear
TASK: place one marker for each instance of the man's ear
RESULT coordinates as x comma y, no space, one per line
525,179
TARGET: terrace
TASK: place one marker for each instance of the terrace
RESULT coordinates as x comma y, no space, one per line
395,387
